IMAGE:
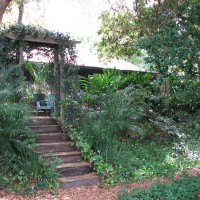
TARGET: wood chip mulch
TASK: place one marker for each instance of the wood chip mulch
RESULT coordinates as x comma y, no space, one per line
89,192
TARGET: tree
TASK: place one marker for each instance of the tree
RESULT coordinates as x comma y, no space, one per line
3,5
168,30
174,47
122,26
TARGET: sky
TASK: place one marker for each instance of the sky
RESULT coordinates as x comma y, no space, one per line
80,18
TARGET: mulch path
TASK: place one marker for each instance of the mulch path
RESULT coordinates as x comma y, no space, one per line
89,192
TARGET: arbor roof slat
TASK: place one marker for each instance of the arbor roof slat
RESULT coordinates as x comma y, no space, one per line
45,41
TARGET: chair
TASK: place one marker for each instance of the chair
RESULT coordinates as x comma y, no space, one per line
45,105
38,97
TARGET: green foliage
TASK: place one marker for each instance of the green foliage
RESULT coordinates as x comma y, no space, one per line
185,95
117,114
20,168
73,101
186,188
42,76
125,135
13,112
167,31
111,81
131,161
105,170
10,48
117,34
23,172
172,49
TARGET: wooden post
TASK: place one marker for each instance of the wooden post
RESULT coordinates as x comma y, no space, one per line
56,82
62,83
21,59
167,87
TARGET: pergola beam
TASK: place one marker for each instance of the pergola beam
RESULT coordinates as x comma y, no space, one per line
46,41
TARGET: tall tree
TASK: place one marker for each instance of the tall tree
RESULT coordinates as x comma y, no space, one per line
3,5
168,30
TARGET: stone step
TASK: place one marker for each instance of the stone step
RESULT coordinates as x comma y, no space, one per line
66,157
45,128
49,137
53,147
42,121
81,180
74,169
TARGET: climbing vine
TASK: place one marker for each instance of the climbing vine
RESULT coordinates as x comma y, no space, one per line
9,47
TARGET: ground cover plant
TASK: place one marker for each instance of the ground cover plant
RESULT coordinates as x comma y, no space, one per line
187,188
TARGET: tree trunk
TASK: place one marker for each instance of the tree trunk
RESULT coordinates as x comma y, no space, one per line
20,17
3,5
21,12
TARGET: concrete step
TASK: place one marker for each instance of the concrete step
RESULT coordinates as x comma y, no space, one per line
53,147
74,169
81,180
66,157
45,128
49,137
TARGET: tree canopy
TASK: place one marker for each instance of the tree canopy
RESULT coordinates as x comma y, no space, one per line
168,31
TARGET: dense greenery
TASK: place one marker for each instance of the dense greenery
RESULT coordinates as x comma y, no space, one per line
20,168
168,31
186,188
10,48
128,131
123,125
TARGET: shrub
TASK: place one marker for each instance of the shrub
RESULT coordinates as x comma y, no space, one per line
111,81
20,168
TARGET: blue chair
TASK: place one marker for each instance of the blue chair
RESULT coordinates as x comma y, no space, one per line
38,97
45,105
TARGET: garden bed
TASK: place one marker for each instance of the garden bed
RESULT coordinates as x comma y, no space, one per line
90,192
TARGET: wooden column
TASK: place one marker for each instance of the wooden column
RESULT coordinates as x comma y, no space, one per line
21,59
62,83
56,82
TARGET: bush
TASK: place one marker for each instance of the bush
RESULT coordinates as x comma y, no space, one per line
187,188
20,168
135,141
118,115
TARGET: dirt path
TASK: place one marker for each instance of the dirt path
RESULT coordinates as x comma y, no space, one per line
89,192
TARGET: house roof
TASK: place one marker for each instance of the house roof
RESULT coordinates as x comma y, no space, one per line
90,59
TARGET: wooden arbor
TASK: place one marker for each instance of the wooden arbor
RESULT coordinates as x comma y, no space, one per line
60,61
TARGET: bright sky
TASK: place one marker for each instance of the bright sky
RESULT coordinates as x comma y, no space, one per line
77,17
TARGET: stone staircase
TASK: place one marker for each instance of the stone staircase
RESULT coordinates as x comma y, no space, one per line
73,170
